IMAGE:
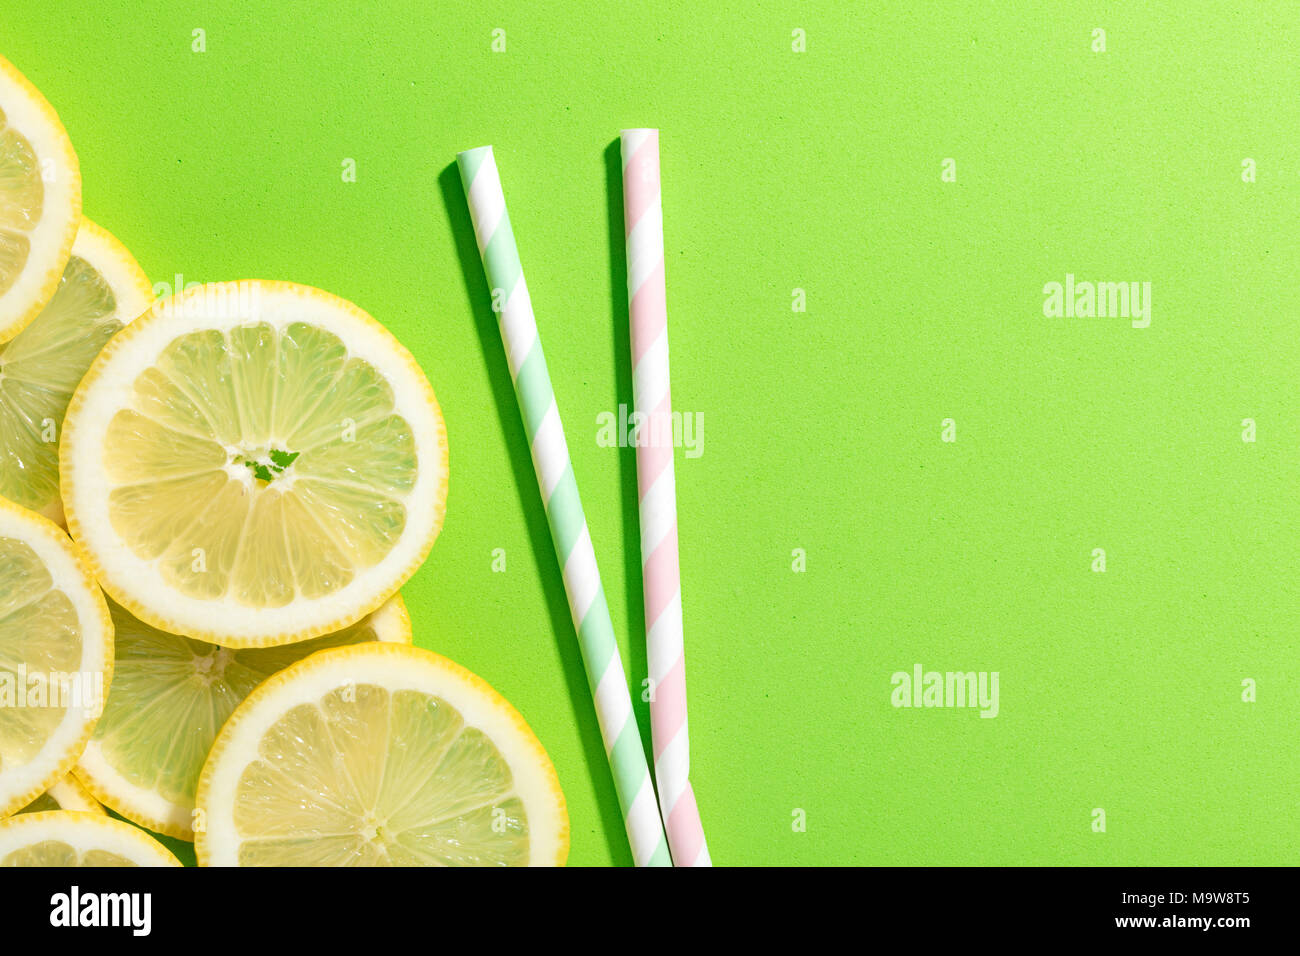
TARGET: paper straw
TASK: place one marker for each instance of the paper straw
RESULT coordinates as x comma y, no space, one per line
652,402
618,727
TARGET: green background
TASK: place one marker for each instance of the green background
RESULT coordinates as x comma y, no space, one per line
820,171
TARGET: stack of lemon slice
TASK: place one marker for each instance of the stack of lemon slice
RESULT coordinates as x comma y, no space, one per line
249,471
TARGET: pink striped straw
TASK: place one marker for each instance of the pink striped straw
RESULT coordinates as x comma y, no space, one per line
652,404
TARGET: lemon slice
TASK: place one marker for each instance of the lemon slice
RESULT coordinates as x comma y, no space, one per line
40,200
170,697
253,464
374,755
67,794
101,290
56,655
64,838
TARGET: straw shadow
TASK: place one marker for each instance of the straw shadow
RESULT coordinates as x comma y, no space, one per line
539,533
638,666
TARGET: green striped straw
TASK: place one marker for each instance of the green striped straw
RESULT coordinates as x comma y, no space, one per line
605,676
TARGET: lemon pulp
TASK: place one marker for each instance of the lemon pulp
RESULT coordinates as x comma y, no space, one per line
22,197
39,370
40,638
293,444
58,853
396,778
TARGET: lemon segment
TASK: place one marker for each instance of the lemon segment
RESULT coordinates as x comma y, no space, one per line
64,838
170,697
379,755
56,655
40,200
253,464
102,289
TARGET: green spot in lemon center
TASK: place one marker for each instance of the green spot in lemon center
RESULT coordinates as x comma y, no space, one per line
268,466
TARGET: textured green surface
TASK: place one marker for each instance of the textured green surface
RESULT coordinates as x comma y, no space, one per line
820,171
